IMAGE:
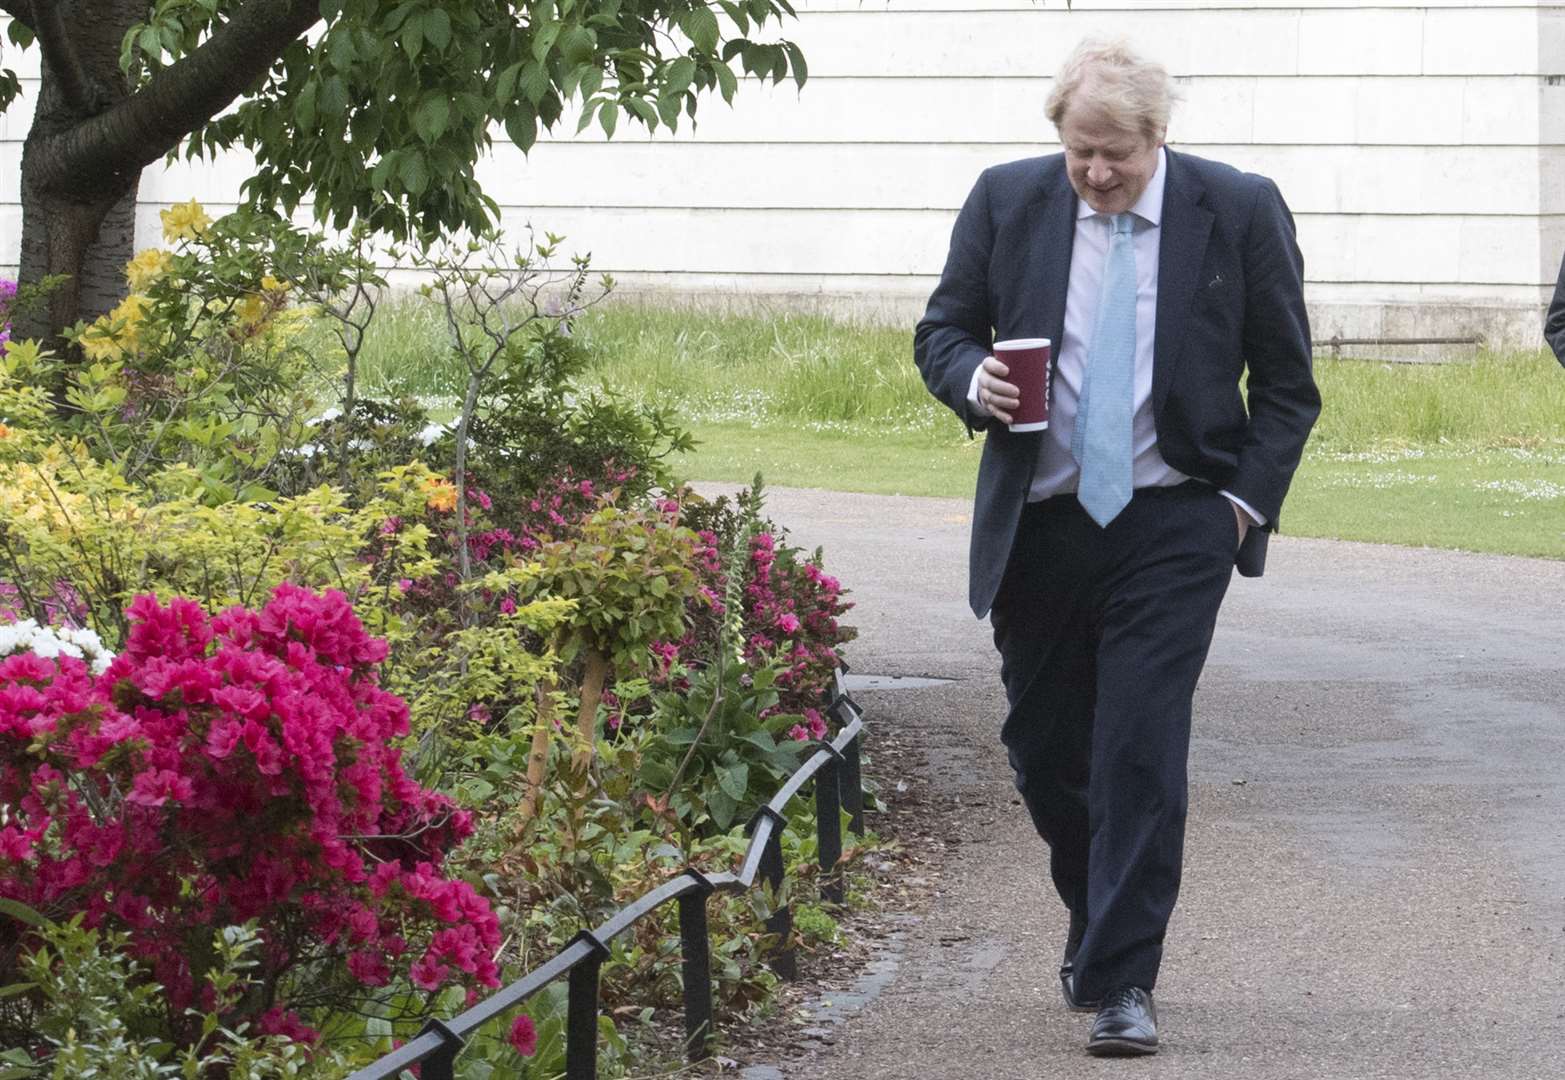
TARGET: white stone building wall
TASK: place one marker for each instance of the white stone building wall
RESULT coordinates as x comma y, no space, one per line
1421,147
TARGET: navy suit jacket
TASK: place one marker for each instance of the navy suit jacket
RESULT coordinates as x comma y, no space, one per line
1230,297
1554,320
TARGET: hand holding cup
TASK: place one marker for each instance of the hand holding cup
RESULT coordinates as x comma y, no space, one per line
1013,384
994,393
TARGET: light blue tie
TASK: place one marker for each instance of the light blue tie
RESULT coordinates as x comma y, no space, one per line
1100,441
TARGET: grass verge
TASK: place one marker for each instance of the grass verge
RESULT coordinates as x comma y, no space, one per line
1508,502
1467,455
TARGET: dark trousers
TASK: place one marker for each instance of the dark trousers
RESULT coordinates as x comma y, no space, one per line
1102,636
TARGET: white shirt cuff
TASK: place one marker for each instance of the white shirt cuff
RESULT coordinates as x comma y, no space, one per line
972,394
1255,519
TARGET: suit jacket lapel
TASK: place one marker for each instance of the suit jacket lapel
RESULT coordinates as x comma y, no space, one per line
1186,227
1051,228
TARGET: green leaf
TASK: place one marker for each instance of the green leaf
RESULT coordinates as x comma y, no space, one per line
413,38
414,172
432,116
736,13
21,912
384,169
727,82
342,51
701,26
668,110
577,45
437,28
304,107
19,34
15,989
801,70
534,82
762,740
648,115
505,85
608,118
544,38
334,96
723,807
679,76
521,127
734,779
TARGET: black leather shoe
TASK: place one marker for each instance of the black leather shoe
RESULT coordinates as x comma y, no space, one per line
1126,1024
1078,930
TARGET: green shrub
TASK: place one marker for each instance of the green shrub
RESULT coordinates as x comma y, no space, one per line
94,1012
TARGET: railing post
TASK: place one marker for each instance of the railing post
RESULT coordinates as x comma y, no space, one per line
828,825
581,1020
441,1065
696,946
780,922
852,785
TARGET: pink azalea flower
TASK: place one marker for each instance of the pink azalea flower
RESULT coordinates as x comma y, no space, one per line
523,1037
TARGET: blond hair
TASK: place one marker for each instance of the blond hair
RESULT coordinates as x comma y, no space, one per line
1136,94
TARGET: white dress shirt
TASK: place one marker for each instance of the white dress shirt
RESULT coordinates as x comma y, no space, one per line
1057,471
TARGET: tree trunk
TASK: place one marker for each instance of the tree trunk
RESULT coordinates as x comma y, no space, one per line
87,242
83,227
91,136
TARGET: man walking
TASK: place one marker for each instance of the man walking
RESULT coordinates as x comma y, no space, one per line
1102,546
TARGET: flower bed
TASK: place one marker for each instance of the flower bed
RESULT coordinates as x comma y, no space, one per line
412,702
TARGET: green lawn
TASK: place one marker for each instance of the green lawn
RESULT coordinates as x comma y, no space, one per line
1467,455
1503,501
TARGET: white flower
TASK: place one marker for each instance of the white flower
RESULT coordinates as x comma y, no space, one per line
50,642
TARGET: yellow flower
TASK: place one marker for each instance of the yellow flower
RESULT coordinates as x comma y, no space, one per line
442,494
133,309
252,309
130,313
98,344
148,265
184,221
272,285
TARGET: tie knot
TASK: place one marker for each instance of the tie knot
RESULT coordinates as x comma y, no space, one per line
1122,223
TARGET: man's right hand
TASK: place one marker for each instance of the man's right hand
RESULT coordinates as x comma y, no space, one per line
996,395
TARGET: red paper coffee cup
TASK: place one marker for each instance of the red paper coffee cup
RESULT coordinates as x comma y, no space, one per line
1028,361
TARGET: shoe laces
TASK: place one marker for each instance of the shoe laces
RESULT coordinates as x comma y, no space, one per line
1121,997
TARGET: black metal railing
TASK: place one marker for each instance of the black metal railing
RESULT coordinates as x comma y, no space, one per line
839,786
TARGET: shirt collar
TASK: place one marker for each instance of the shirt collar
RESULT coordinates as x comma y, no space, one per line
1149,207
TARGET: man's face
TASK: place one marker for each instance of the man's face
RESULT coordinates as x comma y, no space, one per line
1108,166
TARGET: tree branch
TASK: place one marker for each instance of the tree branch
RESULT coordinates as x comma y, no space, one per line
181,97
59,52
